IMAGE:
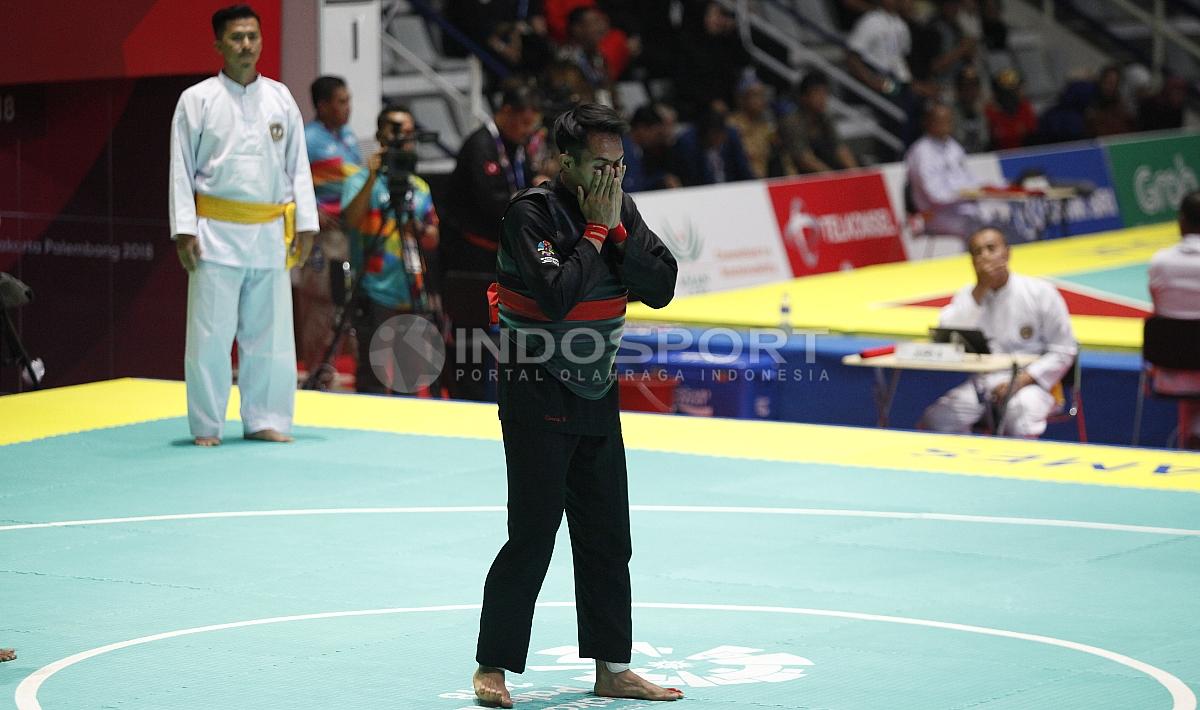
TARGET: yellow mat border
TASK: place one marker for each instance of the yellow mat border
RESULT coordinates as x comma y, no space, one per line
866,301
40,415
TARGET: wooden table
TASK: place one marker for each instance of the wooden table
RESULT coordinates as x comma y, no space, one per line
972,364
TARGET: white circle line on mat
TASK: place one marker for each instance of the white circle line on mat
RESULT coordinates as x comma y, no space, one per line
1182,696
813,512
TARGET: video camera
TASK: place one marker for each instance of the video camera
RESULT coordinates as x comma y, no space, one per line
400,162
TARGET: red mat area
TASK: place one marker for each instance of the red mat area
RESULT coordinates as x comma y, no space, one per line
1078,304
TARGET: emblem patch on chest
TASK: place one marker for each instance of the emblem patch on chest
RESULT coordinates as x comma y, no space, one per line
546,252
1026,332
277,132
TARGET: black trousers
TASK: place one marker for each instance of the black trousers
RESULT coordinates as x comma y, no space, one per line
549,472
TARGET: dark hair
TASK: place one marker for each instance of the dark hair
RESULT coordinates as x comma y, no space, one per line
572,129
323,88
981,230
520,93
576,16
381,119
646,115
1189,211
931,108
234,12
812,80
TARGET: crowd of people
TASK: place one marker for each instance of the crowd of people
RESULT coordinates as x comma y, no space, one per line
912,54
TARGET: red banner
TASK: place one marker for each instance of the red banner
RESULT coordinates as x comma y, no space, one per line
835,223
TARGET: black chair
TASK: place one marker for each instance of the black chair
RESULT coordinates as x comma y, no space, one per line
1172,344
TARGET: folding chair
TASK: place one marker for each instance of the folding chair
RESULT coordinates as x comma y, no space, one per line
1169,347
1070,399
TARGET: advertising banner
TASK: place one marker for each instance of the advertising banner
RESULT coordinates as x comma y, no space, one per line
1081,167
1152,176
723,236
835,223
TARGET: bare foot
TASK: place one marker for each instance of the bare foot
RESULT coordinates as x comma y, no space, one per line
7,654
208,441
270,435
490,688
630,685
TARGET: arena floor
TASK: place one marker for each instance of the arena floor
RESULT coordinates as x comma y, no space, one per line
775,566
1102,277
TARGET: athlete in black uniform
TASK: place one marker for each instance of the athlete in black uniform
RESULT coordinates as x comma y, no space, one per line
572,253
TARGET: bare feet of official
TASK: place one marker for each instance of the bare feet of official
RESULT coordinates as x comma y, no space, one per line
270,435
490,688
630,685
7,654
207,441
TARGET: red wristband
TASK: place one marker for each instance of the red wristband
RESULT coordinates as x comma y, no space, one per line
618,233
596,233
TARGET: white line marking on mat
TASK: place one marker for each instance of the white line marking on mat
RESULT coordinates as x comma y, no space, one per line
814,512
1181,696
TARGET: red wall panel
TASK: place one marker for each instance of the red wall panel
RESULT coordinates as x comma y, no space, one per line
73,40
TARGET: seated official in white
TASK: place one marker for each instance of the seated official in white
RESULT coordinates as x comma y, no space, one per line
1018,314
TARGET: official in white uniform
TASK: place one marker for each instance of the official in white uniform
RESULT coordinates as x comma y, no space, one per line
938,175
242,207
1018,314
1175,290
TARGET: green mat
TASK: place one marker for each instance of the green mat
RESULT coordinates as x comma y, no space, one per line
740,604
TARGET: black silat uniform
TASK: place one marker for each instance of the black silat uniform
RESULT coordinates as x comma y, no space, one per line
562,431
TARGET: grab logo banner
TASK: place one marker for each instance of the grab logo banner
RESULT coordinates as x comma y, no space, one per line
830,224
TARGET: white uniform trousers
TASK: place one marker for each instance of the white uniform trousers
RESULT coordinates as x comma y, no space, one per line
959,409
256,306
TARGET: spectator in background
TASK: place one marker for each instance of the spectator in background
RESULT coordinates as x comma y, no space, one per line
992,25
711,63
1064,121
879,46
564,86
710,151
332,154
621,43
938,176
1010,116
808,136
478,20
755,125
648,147
495,162
586,26
954,48
1175,290
1107,115
1165,109
515,31
970,123
377,230
849,11
520,46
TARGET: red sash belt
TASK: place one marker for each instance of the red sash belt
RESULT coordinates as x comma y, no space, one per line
528,308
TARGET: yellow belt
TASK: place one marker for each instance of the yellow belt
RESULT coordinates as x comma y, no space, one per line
225,210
